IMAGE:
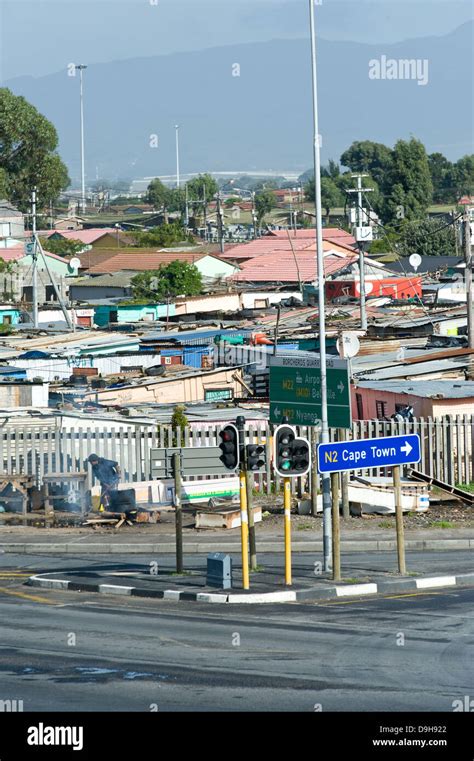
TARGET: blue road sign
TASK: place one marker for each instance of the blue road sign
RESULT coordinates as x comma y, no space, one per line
368,453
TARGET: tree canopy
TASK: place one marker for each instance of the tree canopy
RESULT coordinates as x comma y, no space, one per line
174,279
28,157
62,247
164,236
265,201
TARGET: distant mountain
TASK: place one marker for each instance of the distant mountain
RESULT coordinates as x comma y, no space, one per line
260,119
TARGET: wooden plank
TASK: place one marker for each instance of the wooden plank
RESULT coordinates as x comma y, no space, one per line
458,474
431,468
465,433
128,437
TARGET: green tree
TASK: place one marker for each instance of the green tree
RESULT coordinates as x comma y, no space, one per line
441,176
201,190
62,247
331,195
158,195
426,238
28,157
461,178
265,201
162,237
368,157
175,279
408,191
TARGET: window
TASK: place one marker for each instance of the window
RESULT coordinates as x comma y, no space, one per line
400,407
360,407
381,408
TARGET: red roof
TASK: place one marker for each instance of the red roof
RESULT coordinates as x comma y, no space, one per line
85,236
329,233
281,267
14,253
98,262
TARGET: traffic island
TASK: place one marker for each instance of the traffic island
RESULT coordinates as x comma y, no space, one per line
266,585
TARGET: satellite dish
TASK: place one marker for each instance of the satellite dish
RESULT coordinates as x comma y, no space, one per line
74,263
415,261
348,345
369,287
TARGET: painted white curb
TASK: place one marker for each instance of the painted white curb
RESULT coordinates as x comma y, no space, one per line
265,597
436,581
171,594
114,589
204,597
49,583
356,589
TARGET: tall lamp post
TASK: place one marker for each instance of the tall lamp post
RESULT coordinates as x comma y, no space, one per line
80,68
320,284
177,155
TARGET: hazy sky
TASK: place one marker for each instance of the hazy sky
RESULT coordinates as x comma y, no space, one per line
42,36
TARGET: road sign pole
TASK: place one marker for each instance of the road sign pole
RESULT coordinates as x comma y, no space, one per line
397,487
178,511
321,284
244,530
287,508
336,533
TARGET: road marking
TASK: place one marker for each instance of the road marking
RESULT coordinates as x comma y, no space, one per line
25,596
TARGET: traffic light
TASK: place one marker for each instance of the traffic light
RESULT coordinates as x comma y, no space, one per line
292,455
255,457
229,447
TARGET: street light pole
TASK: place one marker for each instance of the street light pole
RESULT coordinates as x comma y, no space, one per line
80,67
320,283
177,156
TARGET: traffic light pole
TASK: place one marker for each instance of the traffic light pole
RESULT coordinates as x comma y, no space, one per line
320,283
244,517
287,508
244,530
252,537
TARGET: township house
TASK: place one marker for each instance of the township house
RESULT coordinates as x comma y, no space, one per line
289,257
377,399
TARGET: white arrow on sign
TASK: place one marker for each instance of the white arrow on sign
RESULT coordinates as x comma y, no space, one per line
277,412
406,448
341,387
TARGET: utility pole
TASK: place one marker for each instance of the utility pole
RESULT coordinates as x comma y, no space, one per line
177,155
186,211
361,233
254,216
320,284
80,67
468,277
220,223
35,259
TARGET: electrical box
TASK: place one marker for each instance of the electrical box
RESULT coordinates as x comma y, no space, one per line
219,570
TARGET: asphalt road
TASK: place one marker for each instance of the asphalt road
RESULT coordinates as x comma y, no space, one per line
79,651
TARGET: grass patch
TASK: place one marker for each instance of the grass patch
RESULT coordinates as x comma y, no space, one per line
442,524
351,580
183,573
385,524
257,569
467,487
304,526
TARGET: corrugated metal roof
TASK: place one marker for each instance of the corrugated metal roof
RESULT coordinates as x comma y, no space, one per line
428,389
282,267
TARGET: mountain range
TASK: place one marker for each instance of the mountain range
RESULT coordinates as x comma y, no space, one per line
250,107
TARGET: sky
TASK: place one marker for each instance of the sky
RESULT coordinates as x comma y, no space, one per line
42,37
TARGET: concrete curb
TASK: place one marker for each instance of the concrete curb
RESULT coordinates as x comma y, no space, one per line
196,548
384,587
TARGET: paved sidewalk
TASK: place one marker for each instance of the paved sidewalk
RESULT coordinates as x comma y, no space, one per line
142,540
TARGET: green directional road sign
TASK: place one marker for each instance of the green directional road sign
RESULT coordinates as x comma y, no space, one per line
295,390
